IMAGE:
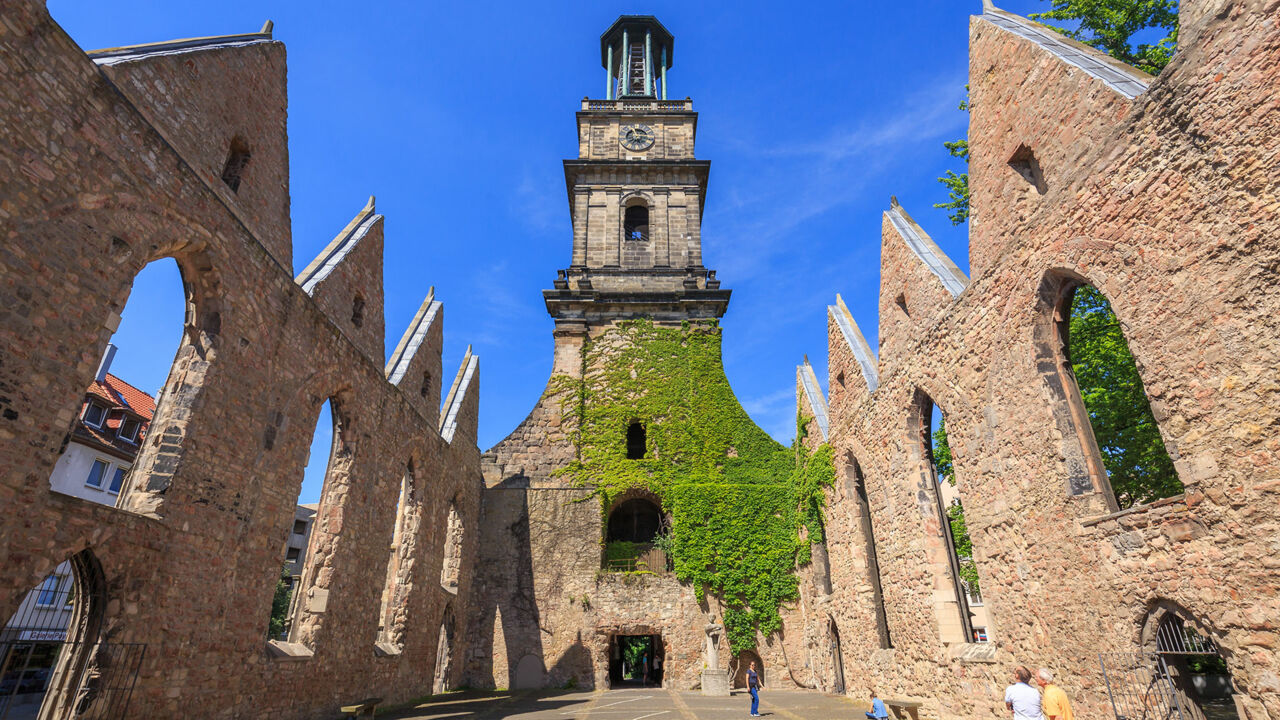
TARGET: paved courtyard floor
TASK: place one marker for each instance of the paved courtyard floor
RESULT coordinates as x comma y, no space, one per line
628,704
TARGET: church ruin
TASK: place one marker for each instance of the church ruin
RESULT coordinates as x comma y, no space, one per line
558,557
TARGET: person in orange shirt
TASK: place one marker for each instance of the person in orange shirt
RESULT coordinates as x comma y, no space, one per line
1055,704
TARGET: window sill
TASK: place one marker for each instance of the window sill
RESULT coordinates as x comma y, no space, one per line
283,651
386,650
1136,509
973,652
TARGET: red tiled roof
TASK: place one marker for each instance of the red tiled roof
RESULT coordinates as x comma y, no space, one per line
121,400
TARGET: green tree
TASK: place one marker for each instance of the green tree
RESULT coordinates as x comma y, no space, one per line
957,184
280,605
1109,25
1133,452
942,454
964,546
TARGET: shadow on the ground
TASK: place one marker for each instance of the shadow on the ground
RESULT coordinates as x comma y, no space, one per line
485,704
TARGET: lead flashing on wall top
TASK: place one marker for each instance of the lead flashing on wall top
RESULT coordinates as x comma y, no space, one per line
857,342
1128,81
817,401
413,338
458,393
926,249
339,248
124,53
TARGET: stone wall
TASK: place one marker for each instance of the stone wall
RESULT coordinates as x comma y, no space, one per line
97,182
1166,203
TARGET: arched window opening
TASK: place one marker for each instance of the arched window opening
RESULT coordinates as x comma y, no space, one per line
157,334
959,569
302,589
50,656
237,160
632,535
443,679
636,222
855,480
404,539
1099,381
901,302
425,390
452,565
357,311
636,441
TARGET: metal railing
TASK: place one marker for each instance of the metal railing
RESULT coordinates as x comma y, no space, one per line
1140,688
641,104
35,673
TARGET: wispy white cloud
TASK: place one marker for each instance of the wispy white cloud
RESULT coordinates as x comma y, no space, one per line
798,181
775,412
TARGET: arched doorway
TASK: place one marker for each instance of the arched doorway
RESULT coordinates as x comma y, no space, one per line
51,663
744,660
1193,662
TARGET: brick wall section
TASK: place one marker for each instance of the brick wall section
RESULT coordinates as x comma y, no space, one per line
200,101
91,192
1169,209
1057,111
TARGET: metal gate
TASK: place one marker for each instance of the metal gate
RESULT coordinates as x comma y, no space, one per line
1140,687
35,674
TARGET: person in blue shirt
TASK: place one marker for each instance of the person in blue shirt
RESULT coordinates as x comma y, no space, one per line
878,710
753,684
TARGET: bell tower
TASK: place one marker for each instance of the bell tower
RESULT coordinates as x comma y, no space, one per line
636,194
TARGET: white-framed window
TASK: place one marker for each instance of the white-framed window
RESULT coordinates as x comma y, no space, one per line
47,593
97,473
95,414
129,429
980,634
117,479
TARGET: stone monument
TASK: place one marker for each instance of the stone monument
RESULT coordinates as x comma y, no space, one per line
714,680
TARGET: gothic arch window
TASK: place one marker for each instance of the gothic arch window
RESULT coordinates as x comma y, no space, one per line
951,545
855,481
400,564
302,593
172,299
1116,450
635,222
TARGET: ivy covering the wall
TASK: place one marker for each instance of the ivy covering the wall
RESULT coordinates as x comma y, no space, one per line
737,498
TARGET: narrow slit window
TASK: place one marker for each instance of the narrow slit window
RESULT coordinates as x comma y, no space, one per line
237,161
357,311
635,441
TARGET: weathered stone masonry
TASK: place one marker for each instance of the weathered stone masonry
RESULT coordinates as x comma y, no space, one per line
111,161
1162,194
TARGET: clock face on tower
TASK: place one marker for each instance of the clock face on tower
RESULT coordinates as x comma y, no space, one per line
637,136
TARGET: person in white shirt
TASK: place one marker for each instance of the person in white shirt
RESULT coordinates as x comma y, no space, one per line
1021,698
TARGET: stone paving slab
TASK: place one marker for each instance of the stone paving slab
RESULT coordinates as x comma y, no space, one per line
628,704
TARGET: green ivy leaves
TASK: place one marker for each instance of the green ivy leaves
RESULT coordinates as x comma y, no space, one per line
737,498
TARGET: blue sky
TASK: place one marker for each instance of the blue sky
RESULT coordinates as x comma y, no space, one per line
457,117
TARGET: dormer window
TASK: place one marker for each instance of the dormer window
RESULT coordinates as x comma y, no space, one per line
635,223
95,414
129,429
